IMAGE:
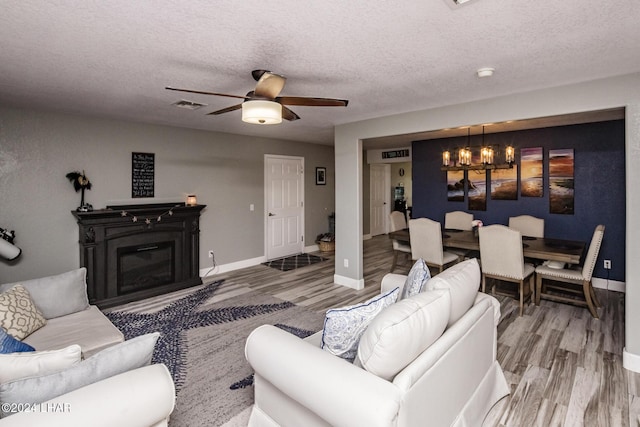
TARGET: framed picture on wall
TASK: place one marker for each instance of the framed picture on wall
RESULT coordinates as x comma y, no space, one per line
477,190
455,186
321,176
531,172
561,180
504,184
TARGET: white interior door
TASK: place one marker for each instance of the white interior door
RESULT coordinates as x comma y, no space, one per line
380,193
284,193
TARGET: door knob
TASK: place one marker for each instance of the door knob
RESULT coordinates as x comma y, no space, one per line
272,214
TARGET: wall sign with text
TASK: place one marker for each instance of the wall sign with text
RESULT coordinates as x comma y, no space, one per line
399,155
142,174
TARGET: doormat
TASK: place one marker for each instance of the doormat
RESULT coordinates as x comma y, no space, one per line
293,262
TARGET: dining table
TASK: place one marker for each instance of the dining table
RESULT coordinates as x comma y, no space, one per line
542,248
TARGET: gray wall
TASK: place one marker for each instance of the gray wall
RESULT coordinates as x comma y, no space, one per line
37,150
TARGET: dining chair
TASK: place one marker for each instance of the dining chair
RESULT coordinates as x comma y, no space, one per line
501,258
457,220
398,222
426,243
572,280
527,225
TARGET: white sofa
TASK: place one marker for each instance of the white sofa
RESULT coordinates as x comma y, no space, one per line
63,301
456,380
142,396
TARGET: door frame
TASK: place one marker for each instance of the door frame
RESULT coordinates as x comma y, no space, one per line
266,201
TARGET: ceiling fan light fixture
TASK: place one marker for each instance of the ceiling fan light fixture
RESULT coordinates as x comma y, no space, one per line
262,112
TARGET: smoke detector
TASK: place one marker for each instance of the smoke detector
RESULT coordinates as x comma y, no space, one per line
485,72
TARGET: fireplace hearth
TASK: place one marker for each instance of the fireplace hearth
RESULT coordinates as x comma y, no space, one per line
137,251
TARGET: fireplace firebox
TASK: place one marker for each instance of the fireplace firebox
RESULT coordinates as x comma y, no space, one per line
145,266
137,251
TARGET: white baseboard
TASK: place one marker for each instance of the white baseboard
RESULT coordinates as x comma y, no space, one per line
612,285
348,282
366,237
225,268
630,361
312,248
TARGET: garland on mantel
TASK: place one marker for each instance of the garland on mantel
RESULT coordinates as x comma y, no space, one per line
147,220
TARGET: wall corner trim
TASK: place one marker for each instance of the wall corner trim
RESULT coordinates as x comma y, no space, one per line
356,284
630,361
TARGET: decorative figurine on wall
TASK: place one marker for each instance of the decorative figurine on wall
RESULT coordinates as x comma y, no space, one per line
81,182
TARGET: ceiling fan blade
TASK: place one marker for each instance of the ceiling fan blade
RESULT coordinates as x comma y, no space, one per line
205,93
312,102
287,114
225,110
269,85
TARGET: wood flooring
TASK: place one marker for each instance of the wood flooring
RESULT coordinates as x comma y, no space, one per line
564,367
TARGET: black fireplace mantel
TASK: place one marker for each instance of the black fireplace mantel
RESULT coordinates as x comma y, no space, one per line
106,234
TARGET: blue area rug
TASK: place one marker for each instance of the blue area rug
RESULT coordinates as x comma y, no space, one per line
202,343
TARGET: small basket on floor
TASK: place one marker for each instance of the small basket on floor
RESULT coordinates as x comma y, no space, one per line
327,246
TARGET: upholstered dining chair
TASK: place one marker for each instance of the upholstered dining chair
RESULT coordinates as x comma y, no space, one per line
398,222
458,220
527,225
426,243
572,280
502,258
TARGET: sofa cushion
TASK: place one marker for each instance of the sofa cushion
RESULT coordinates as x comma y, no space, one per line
89,328
402,332
58,295
463,281
416,279
22,365
8,344
344,326
131,354
19,316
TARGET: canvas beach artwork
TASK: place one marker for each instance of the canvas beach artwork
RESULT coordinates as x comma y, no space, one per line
504,184
455,186
477,190
561,181
531,172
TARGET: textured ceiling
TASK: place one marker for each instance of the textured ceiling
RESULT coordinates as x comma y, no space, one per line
114,58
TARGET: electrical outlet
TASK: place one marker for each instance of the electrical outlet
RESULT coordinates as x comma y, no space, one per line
210,254
607,264
346,262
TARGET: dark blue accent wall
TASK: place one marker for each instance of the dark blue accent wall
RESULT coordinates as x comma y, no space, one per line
599,173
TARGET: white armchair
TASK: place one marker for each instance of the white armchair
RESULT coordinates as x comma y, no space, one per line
142,397
455,381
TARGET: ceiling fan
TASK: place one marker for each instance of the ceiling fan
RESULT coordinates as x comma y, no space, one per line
263,105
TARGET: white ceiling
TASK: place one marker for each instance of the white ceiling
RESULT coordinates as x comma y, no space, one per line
114,58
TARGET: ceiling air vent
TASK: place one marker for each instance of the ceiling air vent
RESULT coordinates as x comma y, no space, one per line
454,4
189,105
